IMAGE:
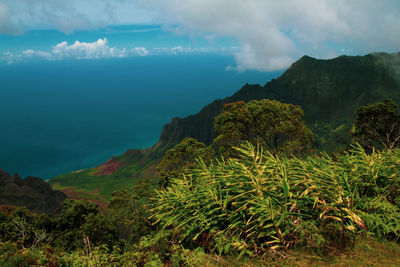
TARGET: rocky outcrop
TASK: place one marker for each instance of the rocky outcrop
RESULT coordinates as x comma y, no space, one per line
31,192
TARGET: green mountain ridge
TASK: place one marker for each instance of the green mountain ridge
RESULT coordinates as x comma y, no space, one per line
329,91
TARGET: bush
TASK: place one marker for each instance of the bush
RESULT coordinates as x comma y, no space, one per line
260,202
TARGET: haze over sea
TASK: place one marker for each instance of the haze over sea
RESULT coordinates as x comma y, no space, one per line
61,116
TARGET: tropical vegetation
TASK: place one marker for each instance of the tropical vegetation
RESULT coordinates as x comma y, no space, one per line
252,203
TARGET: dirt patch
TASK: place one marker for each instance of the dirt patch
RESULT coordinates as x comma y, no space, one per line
74,194
70,192
7,208
151,171
110,167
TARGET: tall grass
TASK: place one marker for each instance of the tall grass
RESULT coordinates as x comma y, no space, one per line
260,202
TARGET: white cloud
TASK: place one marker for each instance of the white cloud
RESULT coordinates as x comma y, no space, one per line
78,50
193,50
100,49
10,58
140,51
83,50
274,33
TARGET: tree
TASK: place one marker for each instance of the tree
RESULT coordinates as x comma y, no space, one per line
377,125
80,219
129,211
99,230
26,228
184,155
276,126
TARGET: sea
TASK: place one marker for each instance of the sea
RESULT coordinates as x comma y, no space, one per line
61,116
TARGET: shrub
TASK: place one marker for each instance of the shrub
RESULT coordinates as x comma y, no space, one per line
260,202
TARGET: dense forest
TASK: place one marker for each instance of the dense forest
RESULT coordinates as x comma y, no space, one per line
274,182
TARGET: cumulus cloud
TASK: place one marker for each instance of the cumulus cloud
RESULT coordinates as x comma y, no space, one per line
78,50
274,33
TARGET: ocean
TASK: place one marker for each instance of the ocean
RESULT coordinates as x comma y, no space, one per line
61,116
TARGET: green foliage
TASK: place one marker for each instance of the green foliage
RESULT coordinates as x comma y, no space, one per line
257,205
163,248
129,212
80,219
378,125
276,126
259,202
73,213
149,252
183,156
25,228
10,256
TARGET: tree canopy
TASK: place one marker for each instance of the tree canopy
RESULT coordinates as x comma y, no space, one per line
276,126
377,125
184,155
129,212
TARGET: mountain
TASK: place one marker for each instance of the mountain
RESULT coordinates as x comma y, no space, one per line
31,192
329,91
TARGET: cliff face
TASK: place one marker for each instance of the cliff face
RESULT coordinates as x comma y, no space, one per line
31,192
329,91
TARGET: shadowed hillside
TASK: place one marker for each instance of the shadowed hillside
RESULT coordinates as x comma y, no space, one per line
31,192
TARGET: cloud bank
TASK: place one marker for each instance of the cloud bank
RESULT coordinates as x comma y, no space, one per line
98,49
101,50
78,50
274,33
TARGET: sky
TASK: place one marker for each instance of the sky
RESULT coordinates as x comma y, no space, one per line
264,35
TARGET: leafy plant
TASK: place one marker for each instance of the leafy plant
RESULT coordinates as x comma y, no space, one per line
262,202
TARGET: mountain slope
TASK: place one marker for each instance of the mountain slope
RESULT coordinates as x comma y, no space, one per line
31,192
329,91
99,182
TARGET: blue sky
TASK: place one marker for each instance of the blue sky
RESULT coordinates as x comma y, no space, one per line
263,35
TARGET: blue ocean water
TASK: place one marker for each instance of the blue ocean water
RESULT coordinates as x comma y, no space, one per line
61,116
